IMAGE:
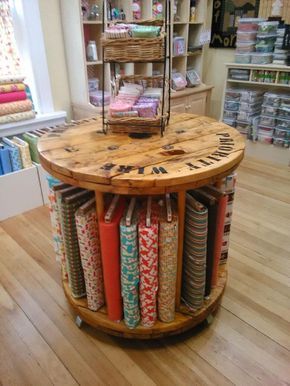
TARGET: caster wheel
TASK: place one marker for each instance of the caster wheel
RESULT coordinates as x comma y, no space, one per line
209,319
78,322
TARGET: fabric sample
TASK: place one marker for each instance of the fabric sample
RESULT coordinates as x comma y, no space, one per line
11,87
89,244
32,140
15,107
168,247
13,97
110,252
148,265
130,272
5,160
194,254
17,117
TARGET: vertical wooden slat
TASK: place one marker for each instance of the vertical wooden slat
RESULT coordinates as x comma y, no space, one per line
181,214
99,203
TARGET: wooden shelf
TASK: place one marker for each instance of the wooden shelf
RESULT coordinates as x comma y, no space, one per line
258,83
184,318
94,63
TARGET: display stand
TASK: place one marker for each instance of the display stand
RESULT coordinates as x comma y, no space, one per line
195,151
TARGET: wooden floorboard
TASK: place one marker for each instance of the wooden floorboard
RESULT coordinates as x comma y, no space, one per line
248,342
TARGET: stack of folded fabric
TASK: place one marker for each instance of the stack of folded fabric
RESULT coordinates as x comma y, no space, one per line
15,100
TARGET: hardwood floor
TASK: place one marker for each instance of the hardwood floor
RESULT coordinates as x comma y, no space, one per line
248,342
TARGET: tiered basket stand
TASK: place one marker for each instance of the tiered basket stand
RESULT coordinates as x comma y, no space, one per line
196,151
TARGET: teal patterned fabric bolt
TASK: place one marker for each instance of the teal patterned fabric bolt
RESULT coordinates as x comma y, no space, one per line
130,272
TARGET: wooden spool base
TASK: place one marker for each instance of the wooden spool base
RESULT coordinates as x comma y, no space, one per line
184,319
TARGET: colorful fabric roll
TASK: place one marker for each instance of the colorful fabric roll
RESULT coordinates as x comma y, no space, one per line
69,206
130,272
89,244
17,117
13,96
194,255
148,265
110,252
6,79
12,87
32,140
15,107
168,246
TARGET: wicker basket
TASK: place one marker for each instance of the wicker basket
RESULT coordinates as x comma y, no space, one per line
141,124
133,49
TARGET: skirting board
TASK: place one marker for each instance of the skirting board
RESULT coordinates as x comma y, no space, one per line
268,153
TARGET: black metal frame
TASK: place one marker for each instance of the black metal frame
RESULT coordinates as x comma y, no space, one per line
107,10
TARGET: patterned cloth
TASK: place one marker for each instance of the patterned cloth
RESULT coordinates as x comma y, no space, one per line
89,244
17,117
14,154
168,246
15,107
130,272
11,87
9,56
13,96
24,152
194,255
69,206
148,264
32,140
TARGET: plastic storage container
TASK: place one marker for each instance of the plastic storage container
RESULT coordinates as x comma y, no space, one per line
269,110
251,96
230,122
246,36
268,27
250,107
285,101
232,105
261,58
265,139
284,113
245,46
269,39
246,117
230,114
232,94
265,130
243,57
272,99
283,123
268,121
281,142
244,128
239,74
249,24
282,133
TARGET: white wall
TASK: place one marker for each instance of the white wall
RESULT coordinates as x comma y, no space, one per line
55,52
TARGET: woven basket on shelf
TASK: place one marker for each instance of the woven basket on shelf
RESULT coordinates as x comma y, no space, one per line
140,124
126,50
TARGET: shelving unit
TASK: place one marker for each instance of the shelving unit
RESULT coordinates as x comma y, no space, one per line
76,33
212,159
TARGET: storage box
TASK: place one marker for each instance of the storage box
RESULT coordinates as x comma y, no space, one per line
19,192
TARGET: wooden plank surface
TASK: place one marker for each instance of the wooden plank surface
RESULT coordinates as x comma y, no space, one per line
193,148
247,343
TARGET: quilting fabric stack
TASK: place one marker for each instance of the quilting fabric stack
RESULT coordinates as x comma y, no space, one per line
168,246
89,244
130,271
148,260
194,256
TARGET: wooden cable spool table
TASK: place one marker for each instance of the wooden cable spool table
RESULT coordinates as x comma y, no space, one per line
195,151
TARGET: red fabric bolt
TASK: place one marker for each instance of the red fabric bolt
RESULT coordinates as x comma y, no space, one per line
110,251
13,96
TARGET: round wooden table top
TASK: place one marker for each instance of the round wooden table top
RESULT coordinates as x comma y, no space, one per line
194,151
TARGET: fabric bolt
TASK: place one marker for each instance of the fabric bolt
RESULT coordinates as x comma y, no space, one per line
24,152
55,218
168,247
69,206
110,252
89,244
25,115
12,79
14,154
11,87
212,205
195,252
15,107
13,96
130,271
148,265
5,160
32,140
